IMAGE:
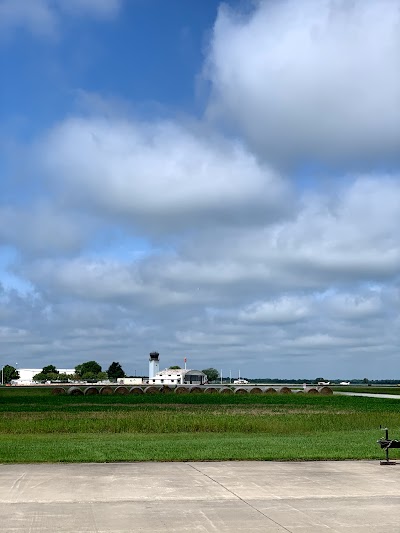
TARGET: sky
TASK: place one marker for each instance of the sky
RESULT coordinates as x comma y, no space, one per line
216,181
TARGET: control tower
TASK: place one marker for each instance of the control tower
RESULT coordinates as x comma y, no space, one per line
153,364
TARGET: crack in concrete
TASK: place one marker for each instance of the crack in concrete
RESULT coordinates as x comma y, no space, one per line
239,498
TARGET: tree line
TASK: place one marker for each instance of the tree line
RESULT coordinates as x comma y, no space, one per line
90,371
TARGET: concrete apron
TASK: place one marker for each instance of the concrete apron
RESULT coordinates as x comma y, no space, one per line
345,496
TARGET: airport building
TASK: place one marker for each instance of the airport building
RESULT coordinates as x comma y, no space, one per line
173,376
26,374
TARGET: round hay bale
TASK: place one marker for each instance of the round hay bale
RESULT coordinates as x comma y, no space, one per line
311,390
241,390
121,390
106,390
182,390
75,391
225,390
89,391
326,391
196,390
166,389
285,390
151,390
58,390
211,390
270,390
136,390
299,392
255,390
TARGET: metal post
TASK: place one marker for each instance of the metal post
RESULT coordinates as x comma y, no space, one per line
387,449
387,461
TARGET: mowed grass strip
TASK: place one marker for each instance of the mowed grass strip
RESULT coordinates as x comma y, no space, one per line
87,447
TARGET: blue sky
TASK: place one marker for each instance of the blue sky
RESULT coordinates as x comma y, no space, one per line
210,180
149,54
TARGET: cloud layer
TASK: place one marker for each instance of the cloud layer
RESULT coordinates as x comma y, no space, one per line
206,238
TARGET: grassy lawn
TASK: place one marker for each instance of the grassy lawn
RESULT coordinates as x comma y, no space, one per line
38,427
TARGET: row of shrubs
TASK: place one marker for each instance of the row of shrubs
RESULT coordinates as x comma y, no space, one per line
151,389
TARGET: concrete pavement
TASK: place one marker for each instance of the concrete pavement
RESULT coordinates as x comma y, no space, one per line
267,497
369,395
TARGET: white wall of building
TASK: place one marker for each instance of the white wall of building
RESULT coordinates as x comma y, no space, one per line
171,376
129,381
26,374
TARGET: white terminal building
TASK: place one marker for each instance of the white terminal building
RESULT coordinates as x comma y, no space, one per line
26,374
173,376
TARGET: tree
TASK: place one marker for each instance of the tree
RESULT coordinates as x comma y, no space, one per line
50,369
175,367
211,373
40,377
9,373
48,373
115,371
64,378
90,367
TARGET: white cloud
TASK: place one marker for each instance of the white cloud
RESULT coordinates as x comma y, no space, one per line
314,79
161,174
282,311
346,239
354,306
102,280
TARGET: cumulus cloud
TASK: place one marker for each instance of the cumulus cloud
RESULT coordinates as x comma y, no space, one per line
317,79
44,17
333,240
316,287
102,280
160,173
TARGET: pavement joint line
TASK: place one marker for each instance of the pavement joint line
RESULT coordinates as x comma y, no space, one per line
239,498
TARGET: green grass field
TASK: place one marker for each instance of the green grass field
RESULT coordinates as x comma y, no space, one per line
36,426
